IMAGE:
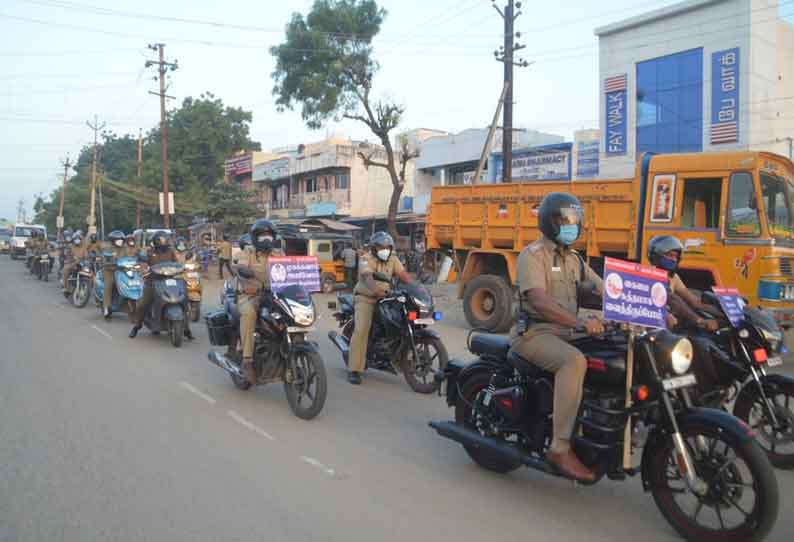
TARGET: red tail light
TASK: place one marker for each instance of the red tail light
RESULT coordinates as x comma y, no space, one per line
412,316
759,355
597,364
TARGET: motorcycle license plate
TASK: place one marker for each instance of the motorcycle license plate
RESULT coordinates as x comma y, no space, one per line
424,321
170,282
774,361
297,329
678,382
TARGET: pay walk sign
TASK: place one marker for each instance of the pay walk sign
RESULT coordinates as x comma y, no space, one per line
635,294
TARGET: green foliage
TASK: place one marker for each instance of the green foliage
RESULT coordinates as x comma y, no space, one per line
231,204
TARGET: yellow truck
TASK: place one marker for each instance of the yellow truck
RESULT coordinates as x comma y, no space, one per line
734,212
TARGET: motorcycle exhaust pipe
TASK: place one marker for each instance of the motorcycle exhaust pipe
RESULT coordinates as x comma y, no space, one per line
224,363
468,437
341,342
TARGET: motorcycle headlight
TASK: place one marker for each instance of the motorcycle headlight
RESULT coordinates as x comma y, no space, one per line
674,352
681,356
303,314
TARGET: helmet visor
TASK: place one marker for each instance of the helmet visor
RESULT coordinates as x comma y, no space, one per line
570,215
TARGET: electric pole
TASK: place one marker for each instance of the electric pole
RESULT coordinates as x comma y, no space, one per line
21,214
66,166
140,162
506,55
91,211
162,68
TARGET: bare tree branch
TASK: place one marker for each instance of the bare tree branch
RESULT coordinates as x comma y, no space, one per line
368,161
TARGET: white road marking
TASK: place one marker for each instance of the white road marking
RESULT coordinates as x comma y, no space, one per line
102,332
249,425
194,390
315,463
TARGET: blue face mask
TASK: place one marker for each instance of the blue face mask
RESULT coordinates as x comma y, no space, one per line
568,234
668,264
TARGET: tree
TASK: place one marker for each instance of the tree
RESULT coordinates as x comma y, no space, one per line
326,66
230,204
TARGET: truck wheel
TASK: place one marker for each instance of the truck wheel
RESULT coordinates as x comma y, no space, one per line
488,303
328,283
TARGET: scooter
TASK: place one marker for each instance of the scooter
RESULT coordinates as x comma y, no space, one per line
169,308
129,285
194,287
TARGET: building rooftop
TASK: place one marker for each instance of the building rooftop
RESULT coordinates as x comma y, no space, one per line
655,15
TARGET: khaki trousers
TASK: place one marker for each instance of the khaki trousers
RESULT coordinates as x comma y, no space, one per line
109,277
552,354
248,307
144,302
364,309
67,270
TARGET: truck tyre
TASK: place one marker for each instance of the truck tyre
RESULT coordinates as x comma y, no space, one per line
488,303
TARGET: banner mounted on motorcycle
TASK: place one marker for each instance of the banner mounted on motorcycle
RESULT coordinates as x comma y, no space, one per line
291,270
732,303
635,294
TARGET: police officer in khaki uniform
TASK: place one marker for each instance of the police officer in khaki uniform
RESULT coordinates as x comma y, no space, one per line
72,259
254,276
549,275
380,259
130,250
115,251
225,256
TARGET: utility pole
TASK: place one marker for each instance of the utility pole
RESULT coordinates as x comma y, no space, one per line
91,211
21,214
506,55
101,211
140,162
66,166
162,68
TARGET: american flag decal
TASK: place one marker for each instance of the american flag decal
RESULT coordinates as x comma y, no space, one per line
613,84
724,132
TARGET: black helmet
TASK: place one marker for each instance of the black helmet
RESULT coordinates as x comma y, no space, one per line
263,233
116,238
225,236
77,238
181,244
92,238
559,208
160,241
659,246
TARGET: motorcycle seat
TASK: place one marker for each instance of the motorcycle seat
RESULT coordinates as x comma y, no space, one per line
487,344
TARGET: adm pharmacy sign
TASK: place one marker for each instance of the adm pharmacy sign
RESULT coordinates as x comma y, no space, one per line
546,163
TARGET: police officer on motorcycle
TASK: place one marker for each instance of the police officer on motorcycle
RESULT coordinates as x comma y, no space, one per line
380,259
549,277
116,251
254,275
130,250
159,252
72,257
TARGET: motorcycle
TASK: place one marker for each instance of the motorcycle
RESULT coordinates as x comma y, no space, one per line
400,338
168,310
636,395
194,288
41,266
733,370
81,282
128,285
282,352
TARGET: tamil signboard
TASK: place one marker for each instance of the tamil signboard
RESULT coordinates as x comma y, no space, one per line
731,303
239,165
290,270
725,96
271,170
634,293
587,159
616,113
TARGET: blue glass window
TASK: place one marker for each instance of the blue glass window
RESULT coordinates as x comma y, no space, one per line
670,103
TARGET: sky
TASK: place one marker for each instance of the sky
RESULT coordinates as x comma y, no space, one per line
64,62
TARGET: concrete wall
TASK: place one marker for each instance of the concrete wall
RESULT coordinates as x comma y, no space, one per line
370,187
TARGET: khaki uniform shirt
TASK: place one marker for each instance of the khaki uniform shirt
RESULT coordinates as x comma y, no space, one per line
557,271
156,256
676,284
226,250
369,263
131,252
258,262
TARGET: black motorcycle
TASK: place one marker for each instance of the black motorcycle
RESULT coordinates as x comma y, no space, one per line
41,266
168,310
81,283
708,476
282,352
399,338
732,369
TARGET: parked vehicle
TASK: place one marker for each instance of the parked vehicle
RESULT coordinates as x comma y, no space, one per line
169,309
735,362
400,338
194,288
128,287
708,476
21,235
282,352
5,243
486,226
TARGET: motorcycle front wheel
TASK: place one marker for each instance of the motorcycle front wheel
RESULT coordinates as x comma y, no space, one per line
307,385
195,311
777,439
741,502
432,357
81,293
176,330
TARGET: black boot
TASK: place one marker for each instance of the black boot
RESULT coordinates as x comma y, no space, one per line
134,331
354,377
188,334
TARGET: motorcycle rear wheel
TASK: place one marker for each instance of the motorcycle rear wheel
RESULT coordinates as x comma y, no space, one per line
307,391
776,441
463,416
733,471
195,311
